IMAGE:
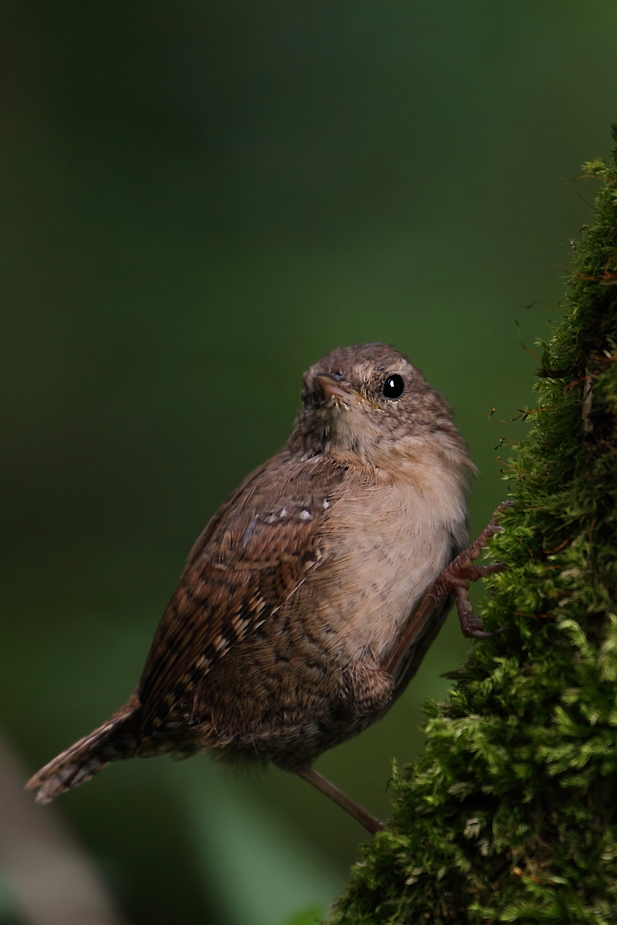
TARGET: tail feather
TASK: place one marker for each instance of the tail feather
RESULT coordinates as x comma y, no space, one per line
114,740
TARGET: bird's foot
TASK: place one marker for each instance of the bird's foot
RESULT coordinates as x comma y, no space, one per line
455,577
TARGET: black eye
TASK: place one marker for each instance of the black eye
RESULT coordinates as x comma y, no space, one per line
393,386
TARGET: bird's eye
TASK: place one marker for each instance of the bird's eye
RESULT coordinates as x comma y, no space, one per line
393,386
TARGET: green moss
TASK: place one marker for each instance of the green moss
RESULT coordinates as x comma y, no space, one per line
511,813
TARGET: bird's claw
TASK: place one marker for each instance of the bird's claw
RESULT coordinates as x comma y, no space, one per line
455,578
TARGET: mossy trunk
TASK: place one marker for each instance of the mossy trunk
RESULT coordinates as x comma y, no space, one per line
511,813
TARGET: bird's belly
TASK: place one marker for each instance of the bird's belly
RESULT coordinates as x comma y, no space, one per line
379,574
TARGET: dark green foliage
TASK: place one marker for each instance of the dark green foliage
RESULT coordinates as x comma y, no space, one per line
511,813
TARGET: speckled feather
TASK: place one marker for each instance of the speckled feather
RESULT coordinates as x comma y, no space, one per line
262,545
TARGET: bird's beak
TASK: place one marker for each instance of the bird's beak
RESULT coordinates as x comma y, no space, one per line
335,386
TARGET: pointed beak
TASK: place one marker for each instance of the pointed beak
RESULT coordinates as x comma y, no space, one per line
335,386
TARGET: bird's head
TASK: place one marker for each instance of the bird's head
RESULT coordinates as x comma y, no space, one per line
371,403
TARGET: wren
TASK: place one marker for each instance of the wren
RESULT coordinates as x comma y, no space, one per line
312,595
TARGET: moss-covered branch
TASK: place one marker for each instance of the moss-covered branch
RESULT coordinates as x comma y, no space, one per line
511,813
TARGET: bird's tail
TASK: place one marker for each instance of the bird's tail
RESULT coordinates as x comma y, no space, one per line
114,740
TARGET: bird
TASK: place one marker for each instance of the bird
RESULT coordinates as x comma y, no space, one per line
309,600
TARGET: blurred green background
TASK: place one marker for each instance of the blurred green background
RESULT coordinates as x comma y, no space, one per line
198,201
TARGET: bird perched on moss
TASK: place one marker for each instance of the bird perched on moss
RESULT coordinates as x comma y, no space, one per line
292,627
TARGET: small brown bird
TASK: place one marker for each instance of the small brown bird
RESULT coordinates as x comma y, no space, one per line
302,611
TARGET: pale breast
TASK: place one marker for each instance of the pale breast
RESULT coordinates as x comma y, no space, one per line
389,541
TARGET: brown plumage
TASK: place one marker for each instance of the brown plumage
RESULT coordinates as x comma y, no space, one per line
274,644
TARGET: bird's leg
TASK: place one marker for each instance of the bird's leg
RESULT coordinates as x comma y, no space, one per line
370,823
454,580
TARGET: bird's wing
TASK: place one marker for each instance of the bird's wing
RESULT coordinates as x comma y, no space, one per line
257,550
